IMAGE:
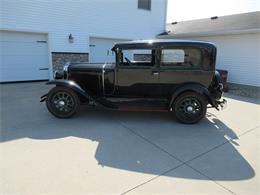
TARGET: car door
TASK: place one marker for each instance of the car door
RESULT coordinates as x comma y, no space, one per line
138,74
182,64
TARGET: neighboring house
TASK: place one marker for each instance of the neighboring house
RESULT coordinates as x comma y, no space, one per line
237,38
38,37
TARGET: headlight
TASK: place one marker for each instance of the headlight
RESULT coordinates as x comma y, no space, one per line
66,66
58,75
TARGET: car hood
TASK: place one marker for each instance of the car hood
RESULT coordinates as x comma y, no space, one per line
97,67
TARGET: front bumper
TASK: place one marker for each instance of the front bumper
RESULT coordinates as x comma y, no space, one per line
43,98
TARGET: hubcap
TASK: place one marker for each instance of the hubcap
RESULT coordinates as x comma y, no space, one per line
189,107
63,102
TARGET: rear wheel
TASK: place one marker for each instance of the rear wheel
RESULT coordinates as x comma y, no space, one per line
190,107
62,102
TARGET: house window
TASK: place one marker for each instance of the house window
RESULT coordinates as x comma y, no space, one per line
144,4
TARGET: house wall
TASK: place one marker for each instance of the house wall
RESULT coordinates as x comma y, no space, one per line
239,54
83,18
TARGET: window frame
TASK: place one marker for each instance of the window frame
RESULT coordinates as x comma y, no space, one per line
149,5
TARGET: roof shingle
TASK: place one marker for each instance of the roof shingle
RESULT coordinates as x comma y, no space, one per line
237,22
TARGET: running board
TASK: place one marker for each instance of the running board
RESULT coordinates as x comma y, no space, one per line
136,105
106,103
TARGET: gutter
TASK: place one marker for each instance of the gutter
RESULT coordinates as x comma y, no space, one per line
210,33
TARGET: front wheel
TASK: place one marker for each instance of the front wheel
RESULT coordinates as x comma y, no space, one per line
190,107
62,102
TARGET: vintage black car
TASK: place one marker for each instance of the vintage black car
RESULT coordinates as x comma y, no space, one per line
178,76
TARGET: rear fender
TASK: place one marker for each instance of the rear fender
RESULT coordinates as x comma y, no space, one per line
195,88
71,85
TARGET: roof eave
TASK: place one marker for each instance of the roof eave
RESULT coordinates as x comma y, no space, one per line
202,34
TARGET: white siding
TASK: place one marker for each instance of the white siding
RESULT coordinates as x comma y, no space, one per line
83,18
239,54
100,50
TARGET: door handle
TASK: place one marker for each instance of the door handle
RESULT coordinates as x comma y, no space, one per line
155,73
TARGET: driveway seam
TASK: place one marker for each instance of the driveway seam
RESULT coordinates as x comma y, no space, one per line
153,178
150,142
248,131
228,141
220,145
176,158
183,162
210,179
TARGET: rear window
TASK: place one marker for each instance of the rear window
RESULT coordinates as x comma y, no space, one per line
181,57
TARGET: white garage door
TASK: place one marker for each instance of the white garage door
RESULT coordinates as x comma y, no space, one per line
100,49
24,56
239,54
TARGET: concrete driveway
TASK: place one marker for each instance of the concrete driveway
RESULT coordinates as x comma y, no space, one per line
111,152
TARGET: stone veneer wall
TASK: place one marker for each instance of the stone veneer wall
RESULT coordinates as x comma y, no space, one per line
60,58
244,90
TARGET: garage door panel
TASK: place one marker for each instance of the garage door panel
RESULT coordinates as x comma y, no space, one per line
22,37
23,48
24,59
33,63
20,76
22,56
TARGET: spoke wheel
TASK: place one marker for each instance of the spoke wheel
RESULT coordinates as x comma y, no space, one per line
190,107
62,102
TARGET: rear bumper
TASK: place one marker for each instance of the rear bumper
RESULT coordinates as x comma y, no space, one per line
222,104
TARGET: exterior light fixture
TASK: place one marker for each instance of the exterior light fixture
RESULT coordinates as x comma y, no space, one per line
71,38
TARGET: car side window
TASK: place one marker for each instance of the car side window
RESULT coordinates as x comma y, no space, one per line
137,57
181,58
171,56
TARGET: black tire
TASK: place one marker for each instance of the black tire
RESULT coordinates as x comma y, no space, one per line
190,107
62,102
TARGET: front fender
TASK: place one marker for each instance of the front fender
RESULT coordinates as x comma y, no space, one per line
71,85
193,87
75,87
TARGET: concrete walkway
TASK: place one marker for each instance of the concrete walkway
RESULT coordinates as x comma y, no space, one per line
110,152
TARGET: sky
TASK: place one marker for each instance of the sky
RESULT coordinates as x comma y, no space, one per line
182,10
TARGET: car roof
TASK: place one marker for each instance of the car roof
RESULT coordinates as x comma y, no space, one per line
160,42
